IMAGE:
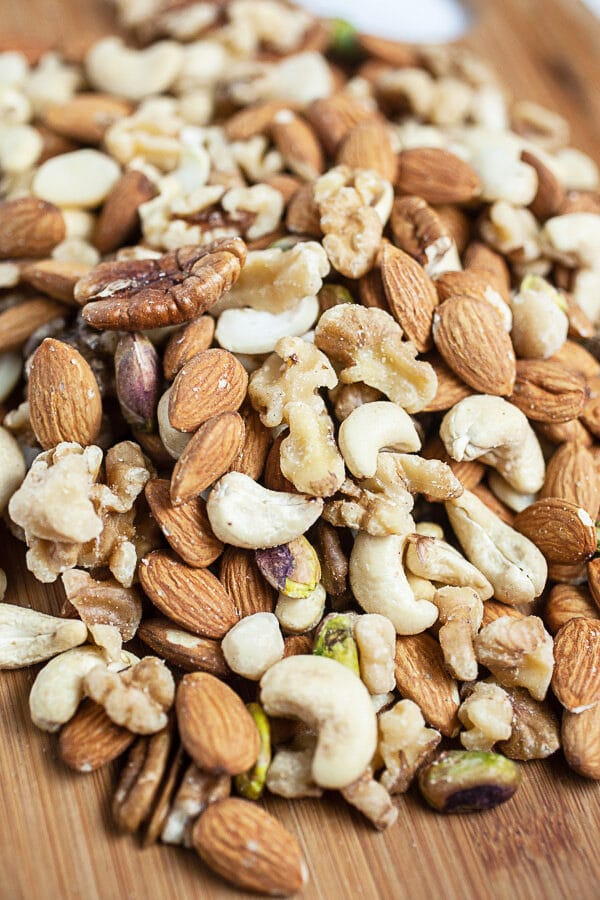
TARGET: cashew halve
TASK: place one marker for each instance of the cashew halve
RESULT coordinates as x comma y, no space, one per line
375,637
332,701
246,514
495,431
28,636
290,773
116,69
487,715
380,585
501,489
12,467
174,441
512,563
540,325
309,456
461,613
298,615
372,427
434,560
253,645
254,331
372,800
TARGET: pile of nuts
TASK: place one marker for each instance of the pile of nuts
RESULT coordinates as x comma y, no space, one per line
299,390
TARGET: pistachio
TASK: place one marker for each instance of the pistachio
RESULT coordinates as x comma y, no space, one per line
468,781
251,783
292,568
138,380
335,640
343,39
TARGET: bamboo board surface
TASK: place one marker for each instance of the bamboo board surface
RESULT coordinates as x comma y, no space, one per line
56,838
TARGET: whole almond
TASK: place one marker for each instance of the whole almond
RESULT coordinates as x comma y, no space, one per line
550,194
193,598
469,283
565,432
470,336
186,527
571,475
302,216
410,293
333,117
563,531
548,392
29,227
575,357
55,278
119,220
580,325
493,609
437,176
209,454
456,223
274,478
490,265
250,848
298,144
568,601
394,53
86,117
183,649
91,740
18,322
593,576
243,581
590,415
421,677
576,676
63,394
216,729
187,342
212,382
255,119
580,737
368,146
450,388
371,291
252,456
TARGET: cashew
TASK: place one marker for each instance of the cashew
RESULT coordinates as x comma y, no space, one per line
332,701
253,645
174,441
461,613
380,586
12,467
487,715
245,514
540,325
308,456
435,560
297,616
20,148
134,74
515,500
290,772
28,636
512,563
373,427
573,239
375,637
256,331
495,431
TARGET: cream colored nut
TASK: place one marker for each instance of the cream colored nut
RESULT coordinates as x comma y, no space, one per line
379,583
332,701
540,325
410,87
138,698
512,231
371,189
375,637
10,276
576,170
174,441
373,427
405,743
487,715
495,431
256,22
421,587
196,791
28,636
255,159
134,74
434,560
11,368
58,687
367,346
309,457
586,292
108,639
541,125
298,616
15,108
290,773
301,77
12,467
253,645
13,67
76,250
512,563
79,223
52,81
149,136
255,331
263,201
347,397
245,514
535,728
503,175
20,148
371,799
573,239
430,529
423,476
518,652
515,500
460,615
380,506
81,179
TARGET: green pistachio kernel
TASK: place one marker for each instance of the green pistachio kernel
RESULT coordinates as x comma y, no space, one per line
469,781
251,783
335,640
344,38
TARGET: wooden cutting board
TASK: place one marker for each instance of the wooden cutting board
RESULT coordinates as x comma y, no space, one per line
56,838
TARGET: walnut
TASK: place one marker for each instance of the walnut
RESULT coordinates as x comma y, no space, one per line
375,637
103,602
372,799
375,505
197,790
487,715
405,743
138,698
309,456
151,134
512,231
518,652
290,772
535,728
435,560
461,612
255,159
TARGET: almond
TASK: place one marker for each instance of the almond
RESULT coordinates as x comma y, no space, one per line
411,294
493,610
212,382
250,848
563,531
186,527
118,221
297,645
371,291
470,336
183,649
302,216
576,358
257,439
91,740
187,342
287,185
437,176
209,454
593,576
483,260
580,325
368,146
333,117
568,601
17,323
456,223
492,502
29,227
469,283
580,737
241,578
421,677
63,394
590,415
571,475
298,144
550,194
394,53
86,117
572,432
194,598
255,119
548,392
450,387
55,278
216,729
274,478
576,676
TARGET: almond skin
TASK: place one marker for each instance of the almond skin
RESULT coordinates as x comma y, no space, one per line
550,194
564,532
91,740
450,387
193,598
183,649
86,116
252,456
17,323
470,336
212,382
298,144
493,609
216,729
209,454
119,220
190,340
571,475
368,146
422,677
186,527
576,676
410,293
54,278
593,574
241,578
437,176
568,601
250,848
64,399
333,117
580,736
548,392
29,227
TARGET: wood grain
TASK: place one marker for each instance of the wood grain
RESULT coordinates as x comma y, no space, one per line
56,838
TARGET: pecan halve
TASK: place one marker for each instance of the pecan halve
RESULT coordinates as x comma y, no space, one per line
138,294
